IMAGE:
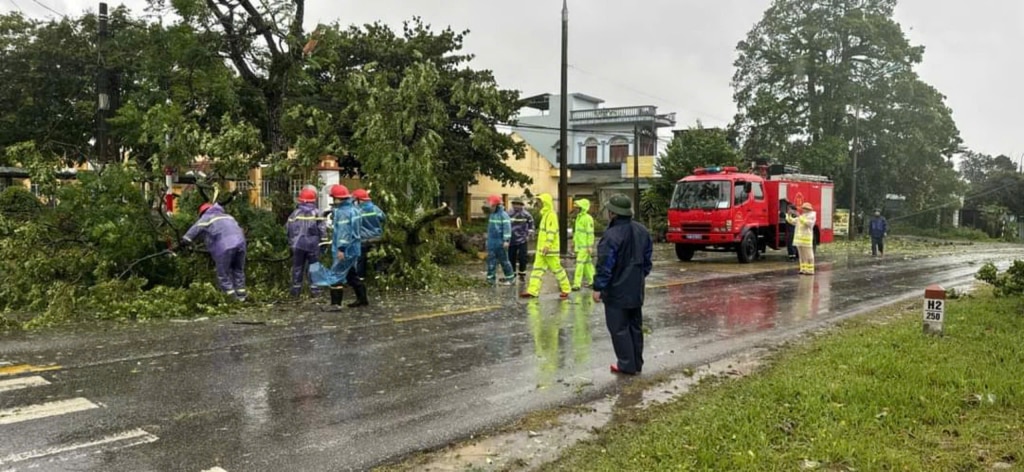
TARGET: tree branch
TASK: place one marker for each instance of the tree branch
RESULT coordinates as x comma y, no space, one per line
235,52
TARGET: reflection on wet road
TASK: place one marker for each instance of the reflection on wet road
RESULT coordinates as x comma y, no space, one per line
340,392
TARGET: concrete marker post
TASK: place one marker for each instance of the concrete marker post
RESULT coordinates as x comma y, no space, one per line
934,309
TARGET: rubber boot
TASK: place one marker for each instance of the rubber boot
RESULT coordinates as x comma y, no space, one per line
337,293
361,299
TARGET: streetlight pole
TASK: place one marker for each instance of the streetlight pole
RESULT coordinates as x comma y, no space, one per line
563,138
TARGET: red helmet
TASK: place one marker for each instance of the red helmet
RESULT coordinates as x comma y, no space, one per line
494,200
361,195
339,191
307,195
204,207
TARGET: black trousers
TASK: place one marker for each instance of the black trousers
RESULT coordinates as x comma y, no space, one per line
625,325
517,255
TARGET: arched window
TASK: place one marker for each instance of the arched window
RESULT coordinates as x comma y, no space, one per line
618,150
590,151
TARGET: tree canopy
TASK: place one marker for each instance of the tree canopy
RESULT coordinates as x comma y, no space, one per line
819,80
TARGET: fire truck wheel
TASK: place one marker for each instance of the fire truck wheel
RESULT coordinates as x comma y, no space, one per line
747,250
684,252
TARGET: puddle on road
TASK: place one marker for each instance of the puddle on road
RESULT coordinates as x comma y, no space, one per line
526,449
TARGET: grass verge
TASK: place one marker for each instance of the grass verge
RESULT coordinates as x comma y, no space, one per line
875,394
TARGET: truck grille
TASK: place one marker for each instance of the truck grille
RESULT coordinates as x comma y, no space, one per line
696,227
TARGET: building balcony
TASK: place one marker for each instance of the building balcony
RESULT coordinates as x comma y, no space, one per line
645,114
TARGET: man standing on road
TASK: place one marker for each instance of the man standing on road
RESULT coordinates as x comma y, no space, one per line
623,264
878,228
373,227
548,248
345,250
522,229
306,230
499,236
804,237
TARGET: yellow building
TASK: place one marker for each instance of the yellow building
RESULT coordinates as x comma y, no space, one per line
534,165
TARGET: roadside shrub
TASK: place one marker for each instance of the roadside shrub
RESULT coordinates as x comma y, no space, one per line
18,204
1008,283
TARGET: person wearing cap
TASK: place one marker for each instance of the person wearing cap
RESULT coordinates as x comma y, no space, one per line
583,245
499,238
878,228
373,226
522,229
306,231
623,264
548,249
803,239
226,243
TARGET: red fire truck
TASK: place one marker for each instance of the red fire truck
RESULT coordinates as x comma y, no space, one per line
721,209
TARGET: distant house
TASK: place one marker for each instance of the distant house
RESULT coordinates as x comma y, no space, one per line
535,165
601,142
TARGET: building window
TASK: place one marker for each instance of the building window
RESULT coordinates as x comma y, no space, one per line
590,148
618,150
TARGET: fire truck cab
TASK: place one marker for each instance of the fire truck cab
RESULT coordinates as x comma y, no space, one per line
722,209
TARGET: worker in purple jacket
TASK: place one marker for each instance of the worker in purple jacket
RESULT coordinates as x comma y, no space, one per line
226,243
306,231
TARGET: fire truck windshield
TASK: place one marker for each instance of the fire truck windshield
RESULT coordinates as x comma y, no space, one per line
702,194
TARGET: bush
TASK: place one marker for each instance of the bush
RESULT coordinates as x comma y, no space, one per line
98,241
961,233
1009,283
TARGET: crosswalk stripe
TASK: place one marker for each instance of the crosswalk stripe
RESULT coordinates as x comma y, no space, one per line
136,437
43,410
23,368
23,382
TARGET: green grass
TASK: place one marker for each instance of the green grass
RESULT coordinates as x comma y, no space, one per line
875,394
958,234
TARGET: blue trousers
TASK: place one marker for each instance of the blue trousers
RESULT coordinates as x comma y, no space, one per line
230,268
498,255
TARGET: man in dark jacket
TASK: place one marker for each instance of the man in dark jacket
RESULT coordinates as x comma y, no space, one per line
878,228
522,229
306,231
624,262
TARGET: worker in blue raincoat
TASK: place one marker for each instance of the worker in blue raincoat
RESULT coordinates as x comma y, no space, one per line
345,250
373,226
499,236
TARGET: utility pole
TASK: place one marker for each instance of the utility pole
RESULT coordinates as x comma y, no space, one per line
563,138
853,178
102,87
636,171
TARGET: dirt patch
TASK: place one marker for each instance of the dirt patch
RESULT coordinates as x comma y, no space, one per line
541,437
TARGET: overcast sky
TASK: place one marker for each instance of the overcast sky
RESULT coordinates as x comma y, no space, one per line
678,54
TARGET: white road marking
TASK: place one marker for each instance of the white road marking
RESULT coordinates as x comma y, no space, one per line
43,410
23,382
5,363
215,469
134,438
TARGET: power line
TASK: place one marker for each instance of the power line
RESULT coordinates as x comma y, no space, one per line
37,2
18,7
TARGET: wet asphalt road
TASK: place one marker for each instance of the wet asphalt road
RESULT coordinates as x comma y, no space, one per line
326,391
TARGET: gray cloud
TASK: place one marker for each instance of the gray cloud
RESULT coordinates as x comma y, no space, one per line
678,54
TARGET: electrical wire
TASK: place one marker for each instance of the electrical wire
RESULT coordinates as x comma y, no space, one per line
37,2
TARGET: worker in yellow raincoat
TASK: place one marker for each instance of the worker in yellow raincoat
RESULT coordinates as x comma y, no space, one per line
803,239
